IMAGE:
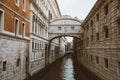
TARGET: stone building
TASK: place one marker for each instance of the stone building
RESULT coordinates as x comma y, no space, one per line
41,12
14,39
100,52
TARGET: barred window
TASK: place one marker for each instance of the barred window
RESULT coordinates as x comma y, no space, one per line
59,28
106,62
18,62
4,65
97,34
72,28
97,59
106,30
106,9
97,17
119,67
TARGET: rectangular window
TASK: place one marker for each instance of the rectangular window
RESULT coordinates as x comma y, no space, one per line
24,5
91,22
16,26
23,29
17,2
97,36
59,28
97,59
119,29
18,62
4,65
32,45
91,37
119,67
106,62
97,17
35,45
50,15
106,9
1,20
72,28
91,57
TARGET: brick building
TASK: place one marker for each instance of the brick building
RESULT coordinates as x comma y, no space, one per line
101,40
14,39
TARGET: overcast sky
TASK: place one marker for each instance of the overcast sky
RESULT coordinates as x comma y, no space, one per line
76,8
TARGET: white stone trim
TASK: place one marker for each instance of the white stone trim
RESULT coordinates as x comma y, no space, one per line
2,21
9,33
24,8
12,34
18,3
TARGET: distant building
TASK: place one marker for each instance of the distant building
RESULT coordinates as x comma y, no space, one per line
14,39
101,40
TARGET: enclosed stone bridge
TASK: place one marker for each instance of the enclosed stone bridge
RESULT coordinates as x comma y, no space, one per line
64,26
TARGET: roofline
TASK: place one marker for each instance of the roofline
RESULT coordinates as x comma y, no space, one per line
58,7
65,19
95,8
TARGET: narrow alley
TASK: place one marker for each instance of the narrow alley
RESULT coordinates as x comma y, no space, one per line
66,69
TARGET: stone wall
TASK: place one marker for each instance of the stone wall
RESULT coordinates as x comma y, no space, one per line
101,45
13,53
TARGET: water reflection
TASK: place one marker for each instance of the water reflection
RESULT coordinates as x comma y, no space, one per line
65,69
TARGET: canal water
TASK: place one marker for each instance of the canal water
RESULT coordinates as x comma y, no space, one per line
67,69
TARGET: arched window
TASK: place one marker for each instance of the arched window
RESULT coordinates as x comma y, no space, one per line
106,31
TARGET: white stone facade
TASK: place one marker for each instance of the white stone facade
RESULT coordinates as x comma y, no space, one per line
41,12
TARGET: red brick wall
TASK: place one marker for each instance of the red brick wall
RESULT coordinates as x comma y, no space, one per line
9,16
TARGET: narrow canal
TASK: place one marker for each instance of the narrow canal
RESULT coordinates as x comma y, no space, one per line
66,69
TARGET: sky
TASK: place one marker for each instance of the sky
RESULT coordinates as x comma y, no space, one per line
75,8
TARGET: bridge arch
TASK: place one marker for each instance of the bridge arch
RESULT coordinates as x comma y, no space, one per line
59,36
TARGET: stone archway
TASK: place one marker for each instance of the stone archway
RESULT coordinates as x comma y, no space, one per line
50,41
